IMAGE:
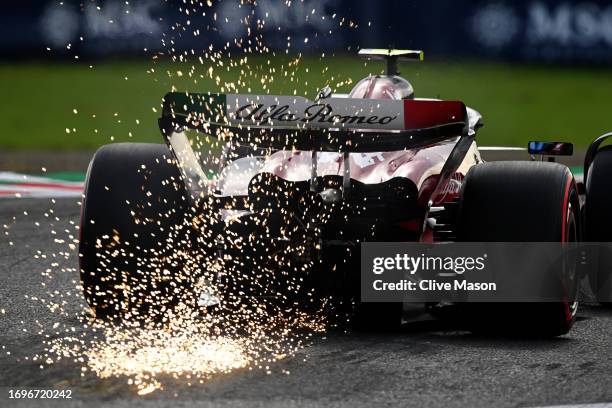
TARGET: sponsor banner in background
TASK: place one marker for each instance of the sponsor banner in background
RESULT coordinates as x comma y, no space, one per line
485,272
526,30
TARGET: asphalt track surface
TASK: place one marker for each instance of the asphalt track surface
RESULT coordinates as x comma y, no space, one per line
424,364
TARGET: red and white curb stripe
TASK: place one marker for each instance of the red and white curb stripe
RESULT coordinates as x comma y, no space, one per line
15,185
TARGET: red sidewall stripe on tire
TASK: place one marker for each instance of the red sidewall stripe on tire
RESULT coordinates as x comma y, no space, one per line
564,207
564,214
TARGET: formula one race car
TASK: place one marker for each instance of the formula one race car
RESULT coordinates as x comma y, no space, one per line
280,191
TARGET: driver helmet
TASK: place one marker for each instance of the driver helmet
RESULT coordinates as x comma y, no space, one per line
383,87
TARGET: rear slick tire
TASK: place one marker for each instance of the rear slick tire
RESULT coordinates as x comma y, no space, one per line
520,202
134,197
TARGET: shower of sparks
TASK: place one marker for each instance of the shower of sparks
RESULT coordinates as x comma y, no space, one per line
154,328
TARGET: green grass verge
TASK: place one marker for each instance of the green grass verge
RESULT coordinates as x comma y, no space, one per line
116,101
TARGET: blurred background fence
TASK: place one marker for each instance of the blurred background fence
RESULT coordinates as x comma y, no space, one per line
518,30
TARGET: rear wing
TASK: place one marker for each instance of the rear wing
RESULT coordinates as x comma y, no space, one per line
331,124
